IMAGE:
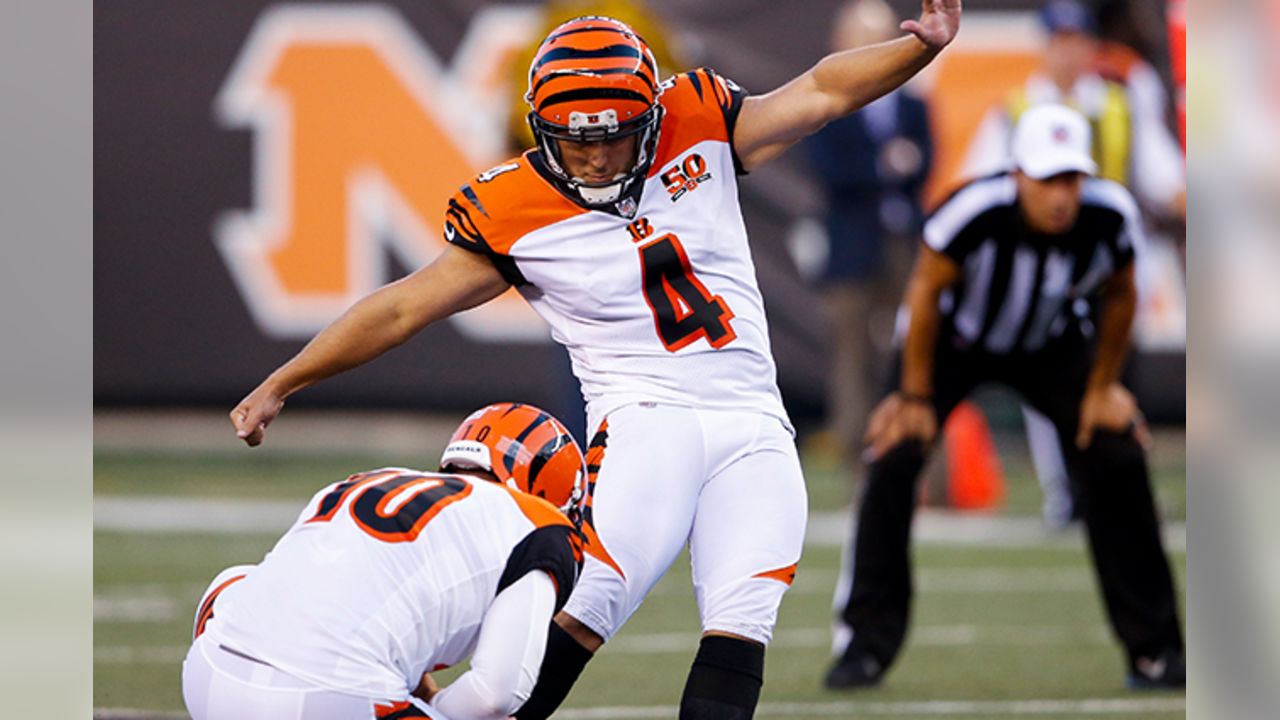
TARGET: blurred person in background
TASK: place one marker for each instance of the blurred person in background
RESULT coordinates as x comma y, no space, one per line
1131,37
623,230
1132,145
1125,54
872,166
992,298
393,574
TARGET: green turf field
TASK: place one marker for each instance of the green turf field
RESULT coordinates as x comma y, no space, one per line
999,631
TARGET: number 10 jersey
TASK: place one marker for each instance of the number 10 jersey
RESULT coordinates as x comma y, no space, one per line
655,297
389,574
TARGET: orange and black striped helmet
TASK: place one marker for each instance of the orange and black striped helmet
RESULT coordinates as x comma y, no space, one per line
593,79
526,449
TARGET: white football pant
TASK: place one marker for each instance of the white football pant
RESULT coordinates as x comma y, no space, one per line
726,482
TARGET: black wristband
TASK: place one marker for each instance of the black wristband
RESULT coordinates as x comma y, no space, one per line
914,398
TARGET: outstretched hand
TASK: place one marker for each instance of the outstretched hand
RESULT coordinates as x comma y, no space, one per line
938,24
251,417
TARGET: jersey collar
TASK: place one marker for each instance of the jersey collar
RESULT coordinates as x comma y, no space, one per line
624,207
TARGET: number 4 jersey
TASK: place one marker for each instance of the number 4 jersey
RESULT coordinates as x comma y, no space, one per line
655,296
387,575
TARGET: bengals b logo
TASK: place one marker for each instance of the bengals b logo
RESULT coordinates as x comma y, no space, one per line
360,137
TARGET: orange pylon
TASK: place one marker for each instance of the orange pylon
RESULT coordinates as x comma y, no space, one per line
975,480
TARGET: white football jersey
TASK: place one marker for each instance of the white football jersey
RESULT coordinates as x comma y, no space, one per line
387,575
655,299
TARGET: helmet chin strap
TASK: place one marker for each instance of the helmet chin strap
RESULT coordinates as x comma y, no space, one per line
610,193
600,195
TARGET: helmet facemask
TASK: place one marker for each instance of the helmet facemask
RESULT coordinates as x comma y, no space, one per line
599,127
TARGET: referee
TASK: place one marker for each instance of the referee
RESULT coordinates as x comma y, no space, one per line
1001,292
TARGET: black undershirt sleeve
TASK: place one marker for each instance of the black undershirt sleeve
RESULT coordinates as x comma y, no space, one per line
550,549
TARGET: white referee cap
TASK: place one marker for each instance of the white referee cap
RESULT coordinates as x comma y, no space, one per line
1052,139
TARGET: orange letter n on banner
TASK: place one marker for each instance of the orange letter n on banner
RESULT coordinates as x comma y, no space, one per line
353,158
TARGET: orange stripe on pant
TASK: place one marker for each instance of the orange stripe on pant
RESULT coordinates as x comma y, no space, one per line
784,575
594,458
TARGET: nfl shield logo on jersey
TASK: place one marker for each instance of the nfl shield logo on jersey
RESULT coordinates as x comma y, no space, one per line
627,207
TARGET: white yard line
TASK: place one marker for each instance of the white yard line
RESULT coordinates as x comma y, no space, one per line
924,636
134,714
848,708
940,708
137,608
1002,580
687,642
160,603
152,514
949,581
139,655
162,514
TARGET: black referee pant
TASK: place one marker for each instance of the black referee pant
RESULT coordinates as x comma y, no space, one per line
1110,480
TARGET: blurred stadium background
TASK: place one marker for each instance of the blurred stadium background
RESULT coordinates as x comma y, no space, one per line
259,166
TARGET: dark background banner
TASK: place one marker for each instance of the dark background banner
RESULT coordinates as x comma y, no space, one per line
169,323
172,324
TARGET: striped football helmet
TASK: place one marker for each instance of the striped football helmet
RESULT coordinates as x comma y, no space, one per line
526,449
594,79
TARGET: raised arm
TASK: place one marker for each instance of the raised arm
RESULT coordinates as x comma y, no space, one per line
839,84
456,280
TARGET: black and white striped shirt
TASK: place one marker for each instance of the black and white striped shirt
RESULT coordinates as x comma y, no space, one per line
1020,289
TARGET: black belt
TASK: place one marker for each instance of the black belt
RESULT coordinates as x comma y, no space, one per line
239,654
